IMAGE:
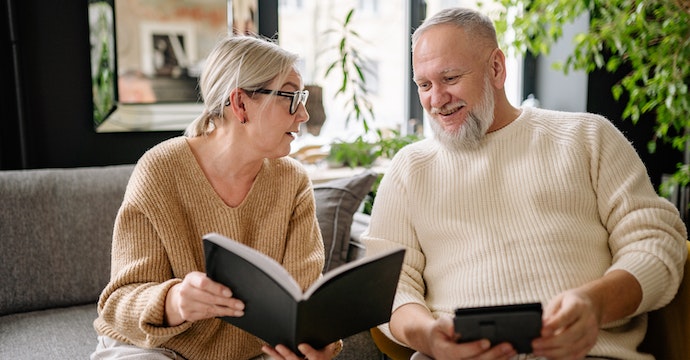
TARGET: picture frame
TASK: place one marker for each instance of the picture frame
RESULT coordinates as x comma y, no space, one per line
167,49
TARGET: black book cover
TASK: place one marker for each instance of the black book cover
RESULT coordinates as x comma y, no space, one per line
346,300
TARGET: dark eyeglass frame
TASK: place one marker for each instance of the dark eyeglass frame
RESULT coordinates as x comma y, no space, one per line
296,97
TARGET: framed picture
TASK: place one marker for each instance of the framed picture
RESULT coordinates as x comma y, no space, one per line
147,57
167,49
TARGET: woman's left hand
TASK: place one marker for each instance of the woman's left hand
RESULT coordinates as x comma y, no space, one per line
281,352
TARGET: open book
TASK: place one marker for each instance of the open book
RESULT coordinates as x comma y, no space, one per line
348,299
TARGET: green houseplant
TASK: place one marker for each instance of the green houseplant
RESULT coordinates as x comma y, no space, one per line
348,63
358,152
651,38
371,144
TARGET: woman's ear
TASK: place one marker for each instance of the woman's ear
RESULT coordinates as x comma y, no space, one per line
237,98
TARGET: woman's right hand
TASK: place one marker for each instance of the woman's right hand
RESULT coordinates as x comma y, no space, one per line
198,297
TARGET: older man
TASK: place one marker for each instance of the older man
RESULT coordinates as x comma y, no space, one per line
513,205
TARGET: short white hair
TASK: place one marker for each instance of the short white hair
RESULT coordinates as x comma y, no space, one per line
471,21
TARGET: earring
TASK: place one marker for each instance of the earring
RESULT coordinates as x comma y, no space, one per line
227,102
244,121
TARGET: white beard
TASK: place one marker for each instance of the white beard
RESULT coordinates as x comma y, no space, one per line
471,132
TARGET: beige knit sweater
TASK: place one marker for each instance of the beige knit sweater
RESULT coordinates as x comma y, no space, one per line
548,203
168,206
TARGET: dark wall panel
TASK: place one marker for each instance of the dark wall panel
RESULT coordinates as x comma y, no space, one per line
9,117
601,101
53,44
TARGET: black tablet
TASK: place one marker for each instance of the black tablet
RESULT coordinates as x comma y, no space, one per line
517,324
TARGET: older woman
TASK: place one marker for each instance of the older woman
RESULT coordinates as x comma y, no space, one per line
229,174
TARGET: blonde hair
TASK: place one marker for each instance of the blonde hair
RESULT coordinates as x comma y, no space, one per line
472,22
237,61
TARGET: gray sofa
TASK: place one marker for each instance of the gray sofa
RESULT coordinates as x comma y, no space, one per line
55,236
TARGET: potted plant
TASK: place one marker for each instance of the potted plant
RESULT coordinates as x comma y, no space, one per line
353,153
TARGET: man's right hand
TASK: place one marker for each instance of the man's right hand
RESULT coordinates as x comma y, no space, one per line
414,325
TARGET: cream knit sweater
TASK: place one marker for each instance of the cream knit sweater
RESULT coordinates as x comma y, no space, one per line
168,206
548,203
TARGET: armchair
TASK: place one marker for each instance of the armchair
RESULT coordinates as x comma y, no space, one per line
668,330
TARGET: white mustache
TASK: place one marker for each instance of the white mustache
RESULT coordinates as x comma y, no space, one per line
448,108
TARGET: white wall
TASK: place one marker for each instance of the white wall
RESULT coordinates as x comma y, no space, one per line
558,91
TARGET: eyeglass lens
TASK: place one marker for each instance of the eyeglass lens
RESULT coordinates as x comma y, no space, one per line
297,98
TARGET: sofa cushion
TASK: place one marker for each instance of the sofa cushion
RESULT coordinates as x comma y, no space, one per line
49,334
336,203
56,227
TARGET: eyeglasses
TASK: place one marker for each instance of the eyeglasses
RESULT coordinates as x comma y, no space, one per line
297,97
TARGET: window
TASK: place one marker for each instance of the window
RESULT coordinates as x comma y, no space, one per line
384,46
371,70
312,32
370,7
291,5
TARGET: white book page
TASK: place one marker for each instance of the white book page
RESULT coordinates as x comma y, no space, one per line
262,261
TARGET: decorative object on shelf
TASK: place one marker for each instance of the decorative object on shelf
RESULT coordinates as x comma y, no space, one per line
317,114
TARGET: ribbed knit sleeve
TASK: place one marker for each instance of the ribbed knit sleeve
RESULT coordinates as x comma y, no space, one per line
548,203
157,239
